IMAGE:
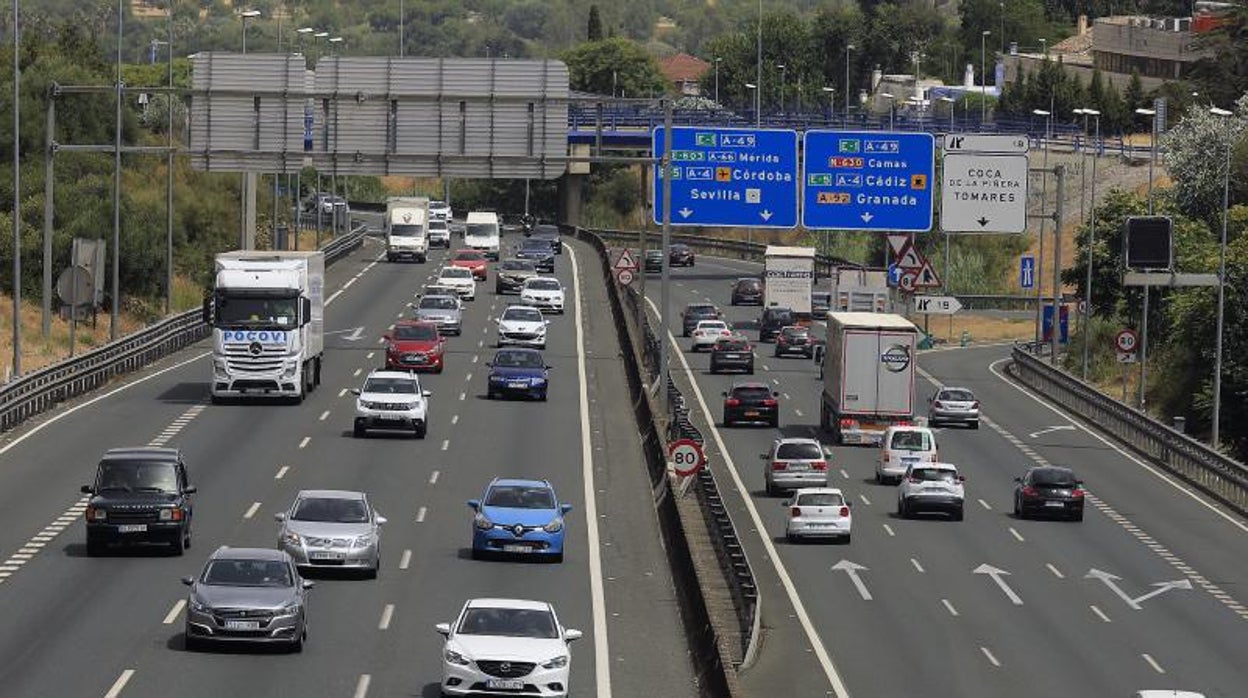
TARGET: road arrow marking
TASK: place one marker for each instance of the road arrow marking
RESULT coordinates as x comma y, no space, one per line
1064,427
997,575
1163,587
355,335
766,215
866,217
852,569
982,221
1110,580
685,212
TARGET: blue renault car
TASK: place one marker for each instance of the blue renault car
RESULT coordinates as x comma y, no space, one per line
521,372
518,517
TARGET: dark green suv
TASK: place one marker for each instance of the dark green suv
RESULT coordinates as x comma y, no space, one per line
140,495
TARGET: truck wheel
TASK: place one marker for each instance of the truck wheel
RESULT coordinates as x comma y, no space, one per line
317,380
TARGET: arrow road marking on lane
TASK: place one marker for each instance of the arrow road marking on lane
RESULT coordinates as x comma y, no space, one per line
852,569
1163,587
1111,581
997,575
358,333
1063,427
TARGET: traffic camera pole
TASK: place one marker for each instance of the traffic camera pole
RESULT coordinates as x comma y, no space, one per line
665,283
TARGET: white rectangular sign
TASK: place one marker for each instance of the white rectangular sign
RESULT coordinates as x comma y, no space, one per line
936,305
984,193
984,143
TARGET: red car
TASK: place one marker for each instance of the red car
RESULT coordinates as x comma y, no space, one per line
415,346
473,260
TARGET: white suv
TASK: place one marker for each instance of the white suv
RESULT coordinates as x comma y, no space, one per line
391,400
902,447
931,487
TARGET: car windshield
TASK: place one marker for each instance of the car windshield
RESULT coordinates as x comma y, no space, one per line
416,332
455,273
522,315
701,310
1054,477
406,230
732,345
545,232
437,303
330,510
712,325
390,386
795,332
749,284
481,229
820,499
516,265
956,396
469,256
509,622
911,441
751,393
256,313
799,451
535,245
543,285
437,224
933,474
248,573
779,317
438,204
518,359
520,497
137,476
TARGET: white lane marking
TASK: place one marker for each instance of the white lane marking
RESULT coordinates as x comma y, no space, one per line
765,368
304,442
174,612
348,284
251,510
1153,663
798,413
812,635
949,607
446,443
864,499
1100,614
988,654
324,415
775,381
405,560
786,397
420,514
463,395
844,473
985,505
476,358
119,684
917,566
455,419
480,343
602,656
1017,535
386,614
281,472
468,377
889,530
342,392
361,686
1056,572
370,354
358,371
433,477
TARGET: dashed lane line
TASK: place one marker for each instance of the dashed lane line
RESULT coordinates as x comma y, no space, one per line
174,612
387,614
405,560
991,658
281,472
420,514
119,684
361,686
251,510
1100,614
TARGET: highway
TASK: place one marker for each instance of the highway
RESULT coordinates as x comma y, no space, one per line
112,626
1146,592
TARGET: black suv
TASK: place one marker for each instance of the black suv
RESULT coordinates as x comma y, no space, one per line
772,321
751,402
695,313
747,290
653,262
679,255
732,353
549,233
140,495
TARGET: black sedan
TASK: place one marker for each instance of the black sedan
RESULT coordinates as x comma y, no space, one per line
747,291
653,263
732,354
1049,491
679,255
538,252
549,233
695,313
751,402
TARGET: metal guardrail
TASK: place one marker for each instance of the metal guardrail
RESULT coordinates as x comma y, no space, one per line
41,390
1215,474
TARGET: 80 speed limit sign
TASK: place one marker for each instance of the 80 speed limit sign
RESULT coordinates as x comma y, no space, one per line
1125,341
686,456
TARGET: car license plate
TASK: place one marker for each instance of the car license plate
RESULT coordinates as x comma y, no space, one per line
242,625
517,549
799,466
732,356
132,528
908,461
505,684
752,413
518,386
822,525
1053,504
326,555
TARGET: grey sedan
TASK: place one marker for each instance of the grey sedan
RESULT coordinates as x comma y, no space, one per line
332,529
953,406
252,595
445,311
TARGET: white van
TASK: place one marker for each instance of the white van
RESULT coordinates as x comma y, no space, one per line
902,447
481,232
407,236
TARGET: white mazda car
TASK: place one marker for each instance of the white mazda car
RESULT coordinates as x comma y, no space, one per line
543,293
522,325
460,279
506,646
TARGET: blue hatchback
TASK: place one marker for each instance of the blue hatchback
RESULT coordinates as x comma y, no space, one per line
520,372
518,516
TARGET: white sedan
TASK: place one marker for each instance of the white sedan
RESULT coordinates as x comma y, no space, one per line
818,512
391,400
522,325
506,646
708,332
460,279
543,293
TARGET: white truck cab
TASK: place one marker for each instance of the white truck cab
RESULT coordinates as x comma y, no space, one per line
407,228
482,233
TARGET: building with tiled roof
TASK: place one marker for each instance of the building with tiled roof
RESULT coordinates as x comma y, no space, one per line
684,72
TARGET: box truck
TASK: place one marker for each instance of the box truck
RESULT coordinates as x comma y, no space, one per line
482,232
267,317
407,228
788,278
868,367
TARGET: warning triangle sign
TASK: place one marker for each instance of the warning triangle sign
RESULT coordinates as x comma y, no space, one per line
626,260
909,258
898,242
926,276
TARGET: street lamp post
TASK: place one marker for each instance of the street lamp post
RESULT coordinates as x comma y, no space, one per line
718,60
831,102
1091,244
1217,361
1044,199
246,15
983,77
337,42
758,80
848,91
950,101
402,26
303,32
316,46
781,66
757,116
1152,158
892,107
1001,7
17,199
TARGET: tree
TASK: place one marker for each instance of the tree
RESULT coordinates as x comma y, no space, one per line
594,30
594,65
1195,159
1223,75
1133,98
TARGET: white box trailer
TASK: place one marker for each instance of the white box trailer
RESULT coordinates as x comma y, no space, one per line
788,278
869,367
407,228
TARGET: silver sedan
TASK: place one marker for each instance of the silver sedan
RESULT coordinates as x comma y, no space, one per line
953,406
332,529
252,595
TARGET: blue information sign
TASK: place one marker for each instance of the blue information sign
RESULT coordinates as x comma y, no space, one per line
729,177
1027,271
868,180
1063,324
894,275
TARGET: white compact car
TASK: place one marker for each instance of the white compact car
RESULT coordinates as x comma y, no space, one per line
460,279
902,447
931,487
708,332
818,512
522,325
543,293
391,400
506,646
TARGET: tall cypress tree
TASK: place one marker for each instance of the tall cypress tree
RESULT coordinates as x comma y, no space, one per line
594,29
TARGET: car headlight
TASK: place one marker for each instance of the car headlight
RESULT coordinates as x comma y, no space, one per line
198,607
555,526
538,380
556,663
288,609
292,538
455,657
171,514
363,541
290,369
482,522
494,378
96,514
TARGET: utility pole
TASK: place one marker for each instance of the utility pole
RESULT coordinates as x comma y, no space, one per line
665,283
17,199
169,179
1060,173
116,311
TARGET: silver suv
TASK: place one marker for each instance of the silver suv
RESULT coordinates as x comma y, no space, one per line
931,487
795,463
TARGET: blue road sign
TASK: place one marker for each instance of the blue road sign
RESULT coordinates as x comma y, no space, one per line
1063,324
868,180
307,127
729,177
1027,271
894,275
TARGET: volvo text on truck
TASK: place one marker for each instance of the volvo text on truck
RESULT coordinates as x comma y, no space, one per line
407,229
267,317
788,278
868,376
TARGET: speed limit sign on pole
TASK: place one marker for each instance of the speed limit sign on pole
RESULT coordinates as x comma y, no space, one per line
686,456
1125,341
624,276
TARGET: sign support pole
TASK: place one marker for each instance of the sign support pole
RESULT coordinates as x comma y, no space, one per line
1144,349
665,292
1059,173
